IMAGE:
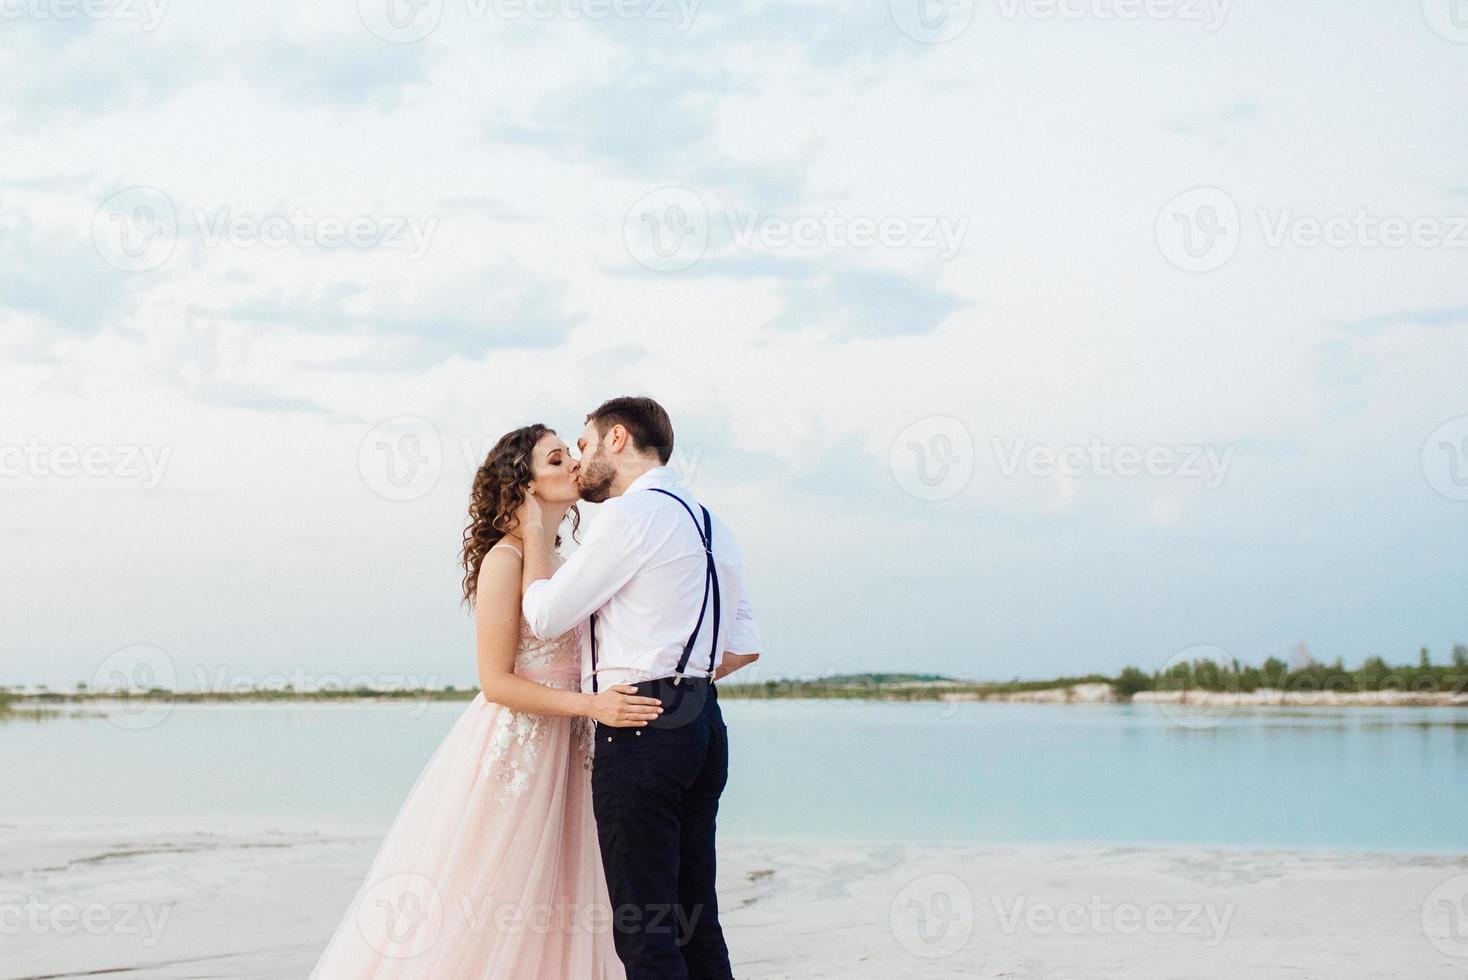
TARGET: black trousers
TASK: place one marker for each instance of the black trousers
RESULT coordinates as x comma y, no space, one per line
655,791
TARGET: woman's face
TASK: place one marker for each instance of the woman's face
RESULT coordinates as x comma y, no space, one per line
555,471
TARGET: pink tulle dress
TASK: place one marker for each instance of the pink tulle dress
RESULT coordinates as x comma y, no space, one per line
491,870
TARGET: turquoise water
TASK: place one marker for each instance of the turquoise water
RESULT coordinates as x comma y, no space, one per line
1360,778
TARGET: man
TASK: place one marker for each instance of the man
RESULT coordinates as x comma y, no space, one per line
662,583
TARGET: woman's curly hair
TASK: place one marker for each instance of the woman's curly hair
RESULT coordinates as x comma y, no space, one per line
499,489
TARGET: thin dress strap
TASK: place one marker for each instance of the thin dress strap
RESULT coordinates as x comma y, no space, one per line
502,543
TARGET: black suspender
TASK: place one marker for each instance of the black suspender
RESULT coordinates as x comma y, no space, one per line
710,584
595,687
710,587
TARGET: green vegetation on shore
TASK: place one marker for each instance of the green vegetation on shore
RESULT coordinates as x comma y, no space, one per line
9,712
1375,674
897,687
287,693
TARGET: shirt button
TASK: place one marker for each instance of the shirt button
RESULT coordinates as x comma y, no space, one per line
639,731
609,738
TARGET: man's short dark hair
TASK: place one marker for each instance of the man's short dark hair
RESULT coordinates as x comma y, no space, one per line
643,418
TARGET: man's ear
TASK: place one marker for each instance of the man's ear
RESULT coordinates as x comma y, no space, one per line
617,438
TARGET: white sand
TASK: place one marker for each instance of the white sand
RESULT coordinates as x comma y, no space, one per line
189,904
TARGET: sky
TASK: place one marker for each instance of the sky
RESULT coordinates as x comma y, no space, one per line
1011,338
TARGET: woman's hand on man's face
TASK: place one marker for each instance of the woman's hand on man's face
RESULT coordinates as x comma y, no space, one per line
529,516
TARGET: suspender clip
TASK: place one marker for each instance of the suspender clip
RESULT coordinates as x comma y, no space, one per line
676,678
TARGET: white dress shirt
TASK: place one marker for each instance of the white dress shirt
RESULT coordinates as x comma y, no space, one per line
641,570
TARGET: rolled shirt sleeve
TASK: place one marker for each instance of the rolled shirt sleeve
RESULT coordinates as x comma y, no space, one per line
591,576
744,630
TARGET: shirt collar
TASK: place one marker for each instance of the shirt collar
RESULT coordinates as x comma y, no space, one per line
658,476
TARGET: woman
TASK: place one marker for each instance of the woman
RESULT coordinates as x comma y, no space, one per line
491,870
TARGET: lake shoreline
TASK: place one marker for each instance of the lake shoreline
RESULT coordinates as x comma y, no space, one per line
30,706
1262,698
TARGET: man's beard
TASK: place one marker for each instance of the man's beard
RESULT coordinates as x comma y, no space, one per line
597,475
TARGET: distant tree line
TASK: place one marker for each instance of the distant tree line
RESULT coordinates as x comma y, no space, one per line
893,687
1374,674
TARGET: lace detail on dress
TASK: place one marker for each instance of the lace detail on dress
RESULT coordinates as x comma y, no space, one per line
538,654
584,730
516,738
513,729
